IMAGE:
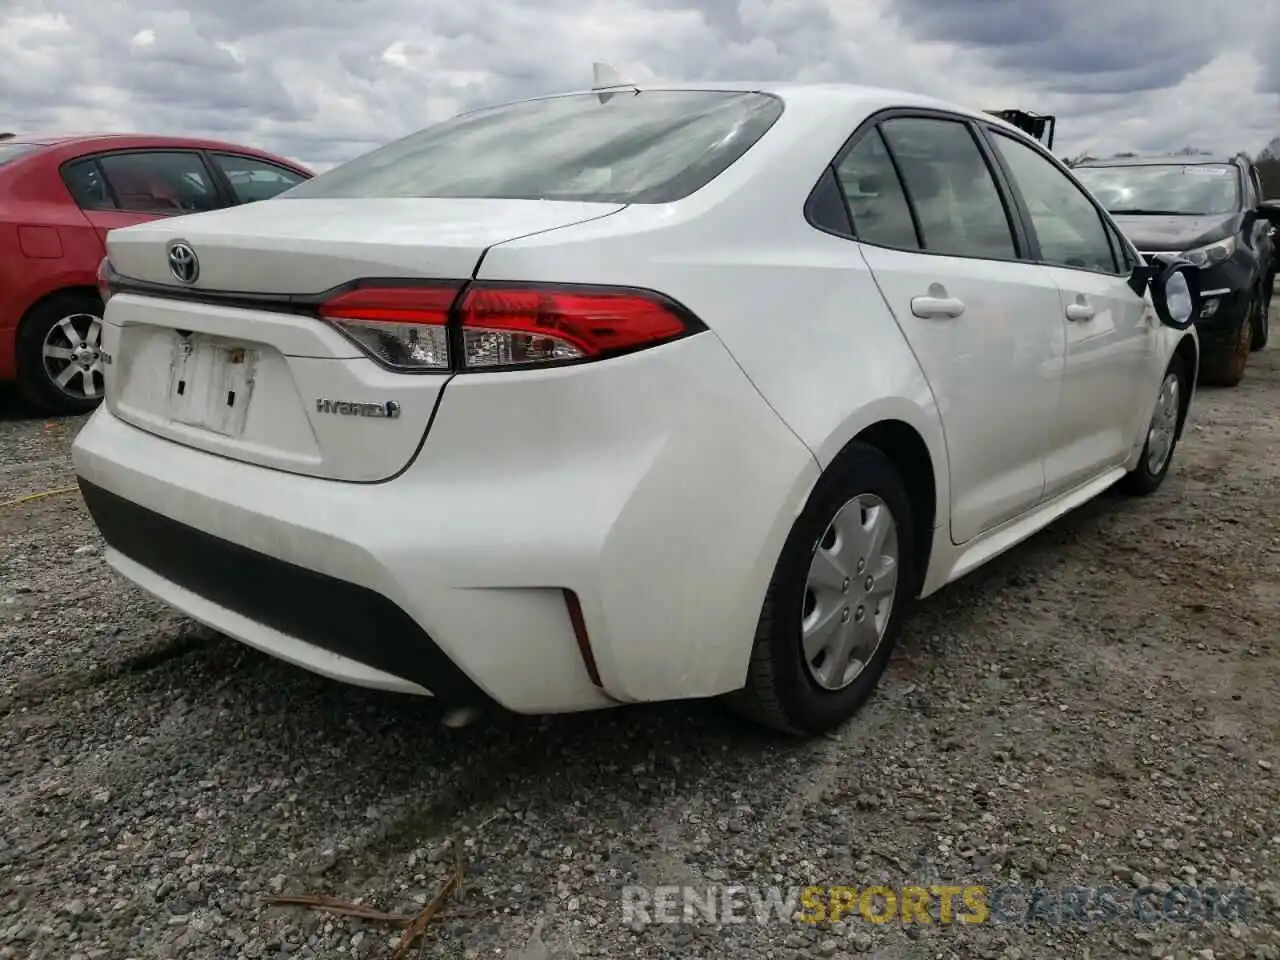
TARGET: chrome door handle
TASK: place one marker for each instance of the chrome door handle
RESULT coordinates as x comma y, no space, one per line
1080,312
927,308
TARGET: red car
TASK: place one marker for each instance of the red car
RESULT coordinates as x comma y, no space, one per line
58,198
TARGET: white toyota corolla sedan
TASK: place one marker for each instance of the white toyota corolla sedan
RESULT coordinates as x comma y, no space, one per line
627,395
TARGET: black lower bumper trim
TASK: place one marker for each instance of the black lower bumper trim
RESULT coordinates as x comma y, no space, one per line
335,615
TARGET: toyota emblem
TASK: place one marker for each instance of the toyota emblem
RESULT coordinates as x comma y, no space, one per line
183,263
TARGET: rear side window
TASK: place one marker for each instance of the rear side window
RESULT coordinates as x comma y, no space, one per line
12,151
951,188
160,182
626,147
87,186
877,204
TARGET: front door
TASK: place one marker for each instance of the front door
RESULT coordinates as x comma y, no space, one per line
1111,378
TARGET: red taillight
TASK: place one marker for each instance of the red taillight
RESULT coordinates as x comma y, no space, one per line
511,324
502,325
404,327
106,280
419,303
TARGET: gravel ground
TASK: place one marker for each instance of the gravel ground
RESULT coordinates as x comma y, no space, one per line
1096,707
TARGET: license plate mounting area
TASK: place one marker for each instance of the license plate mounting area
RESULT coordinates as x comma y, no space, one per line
211,383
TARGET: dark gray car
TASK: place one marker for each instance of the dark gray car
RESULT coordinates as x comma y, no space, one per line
1209,210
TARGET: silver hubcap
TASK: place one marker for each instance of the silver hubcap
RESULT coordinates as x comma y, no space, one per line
73,356
849,593
1164,425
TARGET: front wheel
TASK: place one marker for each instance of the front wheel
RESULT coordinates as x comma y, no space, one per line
1162,432
837,599
59,349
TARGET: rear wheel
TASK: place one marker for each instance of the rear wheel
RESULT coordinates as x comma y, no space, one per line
1222,365
837,599
59,354
1162,433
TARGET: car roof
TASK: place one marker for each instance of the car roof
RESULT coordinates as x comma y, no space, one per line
850,99
93,140
70,145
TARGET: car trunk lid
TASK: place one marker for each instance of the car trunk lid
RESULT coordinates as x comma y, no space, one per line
234,361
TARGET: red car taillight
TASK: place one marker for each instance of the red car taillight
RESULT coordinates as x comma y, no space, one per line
493,326
404,327
106,280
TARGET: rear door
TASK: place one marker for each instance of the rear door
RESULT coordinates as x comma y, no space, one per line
1112,370
128,187
984,324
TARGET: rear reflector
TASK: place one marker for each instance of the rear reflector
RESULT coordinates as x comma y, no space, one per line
106,280
501,325
579,624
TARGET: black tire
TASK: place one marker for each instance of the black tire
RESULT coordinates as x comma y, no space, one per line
1141,481
1262,321
1223,365
34,381
780,692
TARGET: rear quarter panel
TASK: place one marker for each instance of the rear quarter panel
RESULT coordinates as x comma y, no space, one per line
46,244
797,309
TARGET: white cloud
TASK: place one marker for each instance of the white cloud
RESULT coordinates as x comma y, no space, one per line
323,80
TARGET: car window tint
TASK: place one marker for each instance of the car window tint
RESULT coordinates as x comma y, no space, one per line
874,194
158,182
951,188
252,179
1068,225
88,189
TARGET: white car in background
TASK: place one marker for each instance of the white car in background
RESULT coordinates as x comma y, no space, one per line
627,395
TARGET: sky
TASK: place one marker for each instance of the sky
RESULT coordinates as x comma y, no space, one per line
322,81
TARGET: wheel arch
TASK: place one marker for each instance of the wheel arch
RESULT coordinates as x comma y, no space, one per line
912,439
65,290
1188,349
903,446
68,290
32,381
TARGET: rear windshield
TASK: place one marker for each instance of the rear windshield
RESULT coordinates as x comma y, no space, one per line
651,147
12,151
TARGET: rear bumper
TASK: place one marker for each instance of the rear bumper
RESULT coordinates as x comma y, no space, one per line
362,634
657,487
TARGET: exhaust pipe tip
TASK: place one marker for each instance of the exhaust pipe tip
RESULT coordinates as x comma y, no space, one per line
460,717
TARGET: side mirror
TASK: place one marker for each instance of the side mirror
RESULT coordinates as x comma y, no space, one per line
1175,290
